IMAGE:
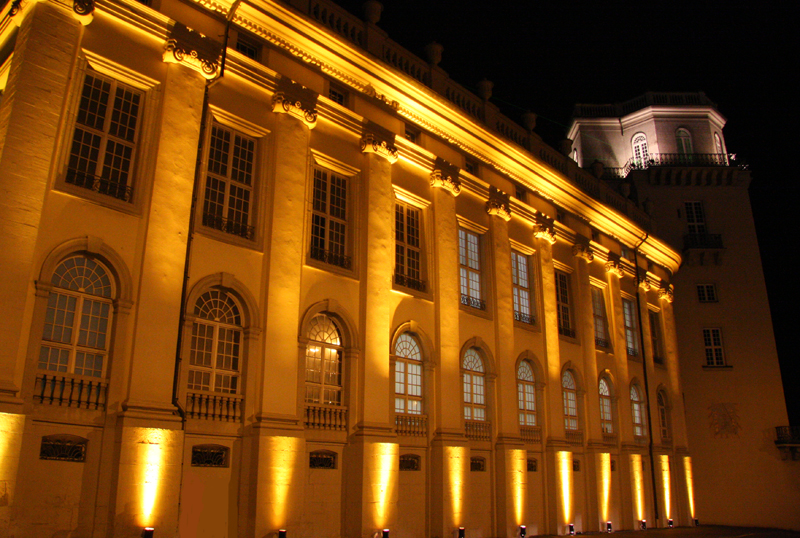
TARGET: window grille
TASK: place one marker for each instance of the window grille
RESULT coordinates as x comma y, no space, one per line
712,340
631,336
637,409
695,217
216,345
338,95
606,418
410,462
600,320
655,337
570,397
563,305
477,464
322,460
639,144
707,293
210,456
248,46
63,448
576,466
532,465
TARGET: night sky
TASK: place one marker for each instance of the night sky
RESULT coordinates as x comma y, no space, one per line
546,56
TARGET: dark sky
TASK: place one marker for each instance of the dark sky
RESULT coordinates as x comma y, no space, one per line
548,55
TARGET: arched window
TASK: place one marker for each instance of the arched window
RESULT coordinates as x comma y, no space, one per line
718,149
606,418
639,143
663,415
637,410
575,155
684,140
216,349
407,376
472,372
78,319
570,393
323,362
526,394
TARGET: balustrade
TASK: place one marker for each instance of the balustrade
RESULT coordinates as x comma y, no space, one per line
70,391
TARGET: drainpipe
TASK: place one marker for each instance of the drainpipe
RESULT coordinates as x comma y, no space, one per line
646,384
198,174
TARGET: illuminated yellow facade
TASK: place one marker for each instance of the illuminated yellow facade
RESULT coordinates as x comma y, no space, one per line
302,284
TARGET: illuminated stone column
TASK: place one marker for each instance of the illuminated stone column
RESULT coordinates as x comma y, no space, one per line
30,112
277,454
372,454
510,456
449,449
12,427
676,412
585,322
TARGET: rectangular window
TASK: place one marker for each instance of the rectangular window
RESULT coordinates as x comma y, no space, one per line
469,259
411,134
631,338
228,198
655,337
103,149
329,218
471,167
521,288
707,293
712,340
407,247
695,217
337,94
600,320
563,305
248,46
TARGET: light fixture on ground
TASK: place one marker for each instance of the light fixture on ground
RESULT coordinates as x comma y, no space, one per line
608,526
670,523
696,522
148,532
281,533
643,524
385,533
461,532
522,531
571,529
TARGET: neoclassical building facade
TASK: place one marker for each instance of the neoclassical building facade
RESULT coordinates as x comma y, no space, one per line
266,271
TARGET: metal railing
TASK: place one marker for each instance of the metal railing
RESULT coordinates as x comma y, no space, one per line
70,391
633,352
601,342
524,318
114,189
473,302
531,434
331,258
689,159
326,417
213,406
478,430
566,331
787,435
408,282
701,241
241,229
411,425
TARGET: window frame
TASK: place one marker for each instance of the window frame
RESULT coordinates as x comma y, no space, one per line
639,150
403,277
638,417
683,142
248,41
519,289
703,295
570,408
469,274
526,395
718,357
468,381
337,388
695,217
338,94
656,336
564,304
323,258
602,336
664,421
406,372
606,406
631,324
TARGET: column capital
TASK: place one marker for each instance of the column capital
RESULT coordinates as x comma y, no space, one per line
498,204
644,283
614,266
296,100
581,249
189,47
544,228
666,292
82,10
375,139
445,175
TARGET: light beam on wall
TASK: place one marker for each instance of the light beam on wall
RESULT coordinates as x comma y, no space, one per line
285,451
665,483
604,468
687,466
385,462
454,458
151,459
518,469
638,485
564,462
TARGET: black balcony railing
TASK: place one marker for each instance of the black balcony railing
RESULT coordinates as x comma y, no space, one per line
702,241
633,352
115,189
566,331
524,318
408,282
601,342
473,302
332,258
228,226
788,435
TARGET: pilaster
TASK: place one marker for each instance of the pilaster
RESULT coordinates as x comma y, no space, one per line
585,317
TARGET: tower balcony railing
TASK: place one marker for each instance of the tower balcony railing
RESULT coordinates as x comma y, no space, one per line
478,430
326,417
71,391
702,241
214,406
788,441
411,425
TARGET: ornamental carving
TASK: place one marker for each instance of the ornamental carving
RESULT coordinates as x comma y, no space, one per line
644,283
445,175
498,204
582,250
544,228
666,292
193,49
15,5
380,142
296,100
82,10
614,267
723,420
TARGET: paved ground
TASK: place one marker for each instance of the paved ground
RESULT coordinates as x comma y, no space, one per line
705,531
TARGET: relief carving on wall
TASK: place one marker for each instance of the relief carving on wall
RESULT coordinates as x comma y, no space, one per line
723,419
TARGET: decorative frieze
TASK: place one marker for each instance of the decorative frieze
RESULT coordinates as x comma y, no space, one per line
666,292
193,49
379,141
296,100
614,266
445,175
583,250
498,204
544,228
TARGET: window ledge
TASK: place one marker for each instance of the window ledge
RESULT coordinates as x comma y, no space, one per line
224,237
330,268
103,200
476,311
533,327
724,367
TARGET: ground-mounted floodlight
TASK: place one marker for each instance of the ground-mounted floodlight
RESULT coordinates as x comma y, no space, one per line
643,524
696,522
670,523
385,533
282,533
608,526
148,532
461,532
522,531
571,529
